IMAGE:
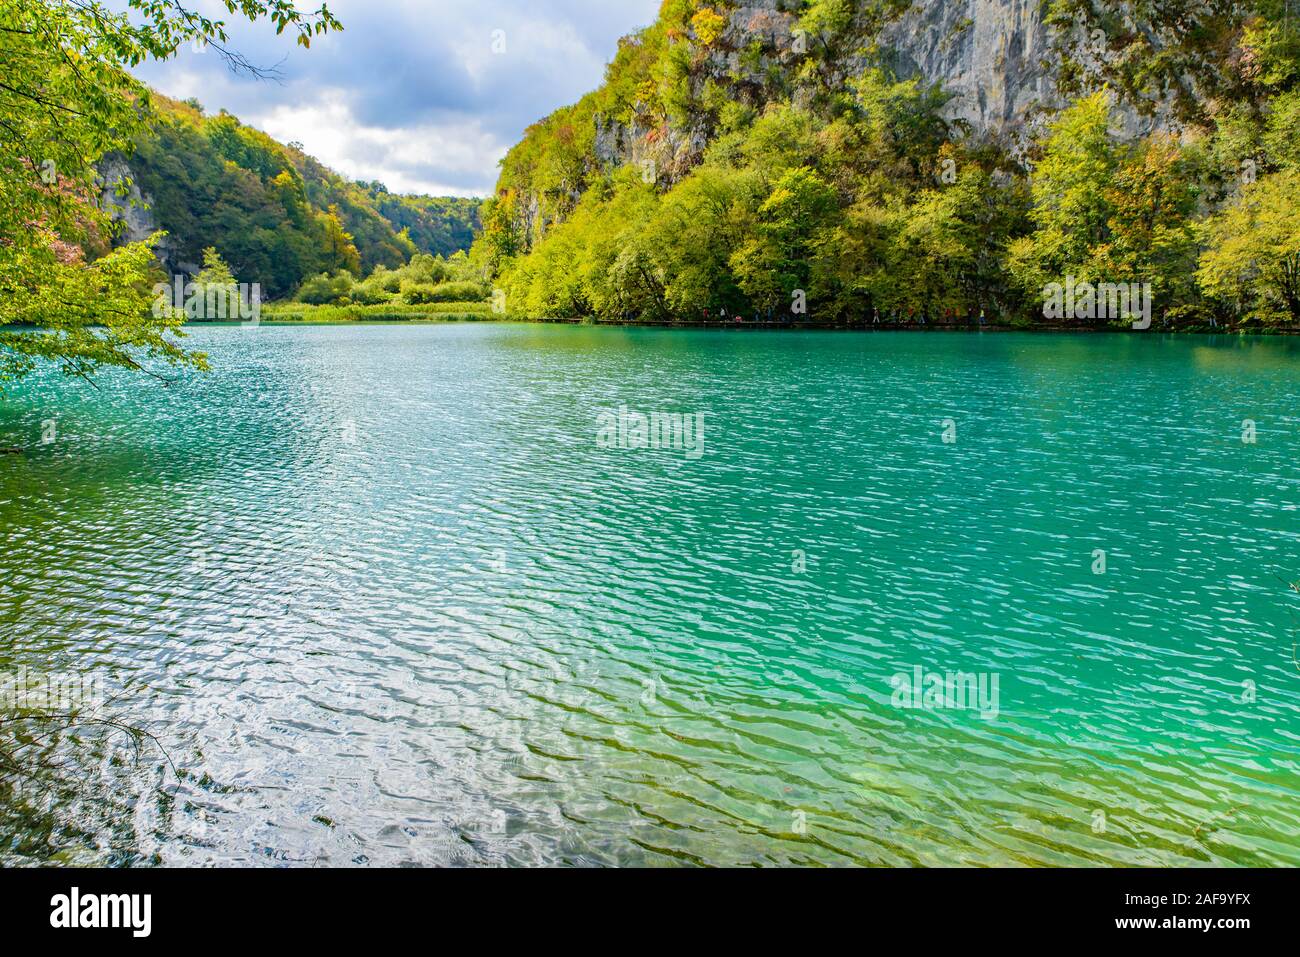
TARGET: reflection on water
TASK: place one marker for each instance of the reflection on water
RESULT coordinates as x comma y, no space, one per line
384,598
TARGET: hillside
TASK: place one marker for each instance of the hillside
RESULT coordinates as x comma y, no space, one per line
275,214
909,160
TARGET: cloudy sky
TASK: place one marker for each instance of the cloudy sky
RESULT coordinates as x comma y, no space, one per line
424,95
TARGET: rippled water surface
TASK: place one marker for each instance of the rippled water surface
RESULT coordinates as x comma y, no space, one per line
384,599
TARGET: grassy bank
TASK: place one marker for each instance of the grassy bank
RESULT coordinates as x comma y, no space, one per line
296,312
864,324
387,312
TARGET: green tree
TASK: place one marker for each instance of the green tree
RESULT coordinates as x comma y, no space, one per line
1151,239
1070,188
504,234
775,262
932,255
67,100
1252,256
215,271
1105,211
695,231
340,252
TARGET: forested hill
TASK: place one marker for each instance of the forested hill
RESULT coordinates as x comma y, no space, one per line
919,159
275,214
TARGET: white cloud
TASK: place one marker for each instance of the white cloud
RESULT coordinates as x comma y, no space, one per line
412,93
426,158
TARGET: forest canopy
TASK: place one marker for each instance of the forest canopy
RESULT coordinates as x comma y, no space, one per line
68,100
776,165
276,214
106,188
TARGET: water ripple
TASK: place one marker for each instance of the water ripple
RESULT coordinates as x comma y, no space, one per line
384,600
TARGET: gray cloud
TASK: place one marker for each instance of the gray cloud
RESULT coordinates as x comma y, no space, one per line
412,92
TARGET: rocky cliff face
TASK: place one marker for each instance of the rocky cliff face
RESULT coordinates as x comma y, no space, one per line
129,210
994,55
133,212
997,58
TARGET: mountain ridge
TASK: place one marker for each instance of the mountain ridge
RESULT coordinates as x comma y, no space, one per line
211,180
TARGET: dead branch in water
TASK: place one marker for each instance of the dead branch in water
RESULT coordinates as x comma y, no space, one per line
49,725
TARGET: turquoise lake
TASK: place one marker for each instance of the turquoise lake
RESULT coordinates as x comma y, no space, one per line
388,595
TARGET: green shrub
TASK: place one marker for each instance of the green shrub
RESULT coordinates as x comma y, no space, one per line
426,270
386,280
325,289
370,294
417,293
384,312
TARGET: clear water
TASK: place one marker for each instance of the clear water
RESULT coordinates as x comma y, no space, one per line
384,598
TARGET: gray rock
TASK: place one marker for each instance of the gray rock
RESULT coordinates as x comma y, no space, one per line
132,211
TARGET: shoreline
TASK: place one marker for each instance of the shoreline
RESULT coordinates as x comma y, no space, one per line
759,326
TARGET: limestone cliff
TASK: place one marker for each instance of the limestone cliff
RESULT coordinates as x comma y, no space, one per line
993,54
670,86
122,198
998,59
